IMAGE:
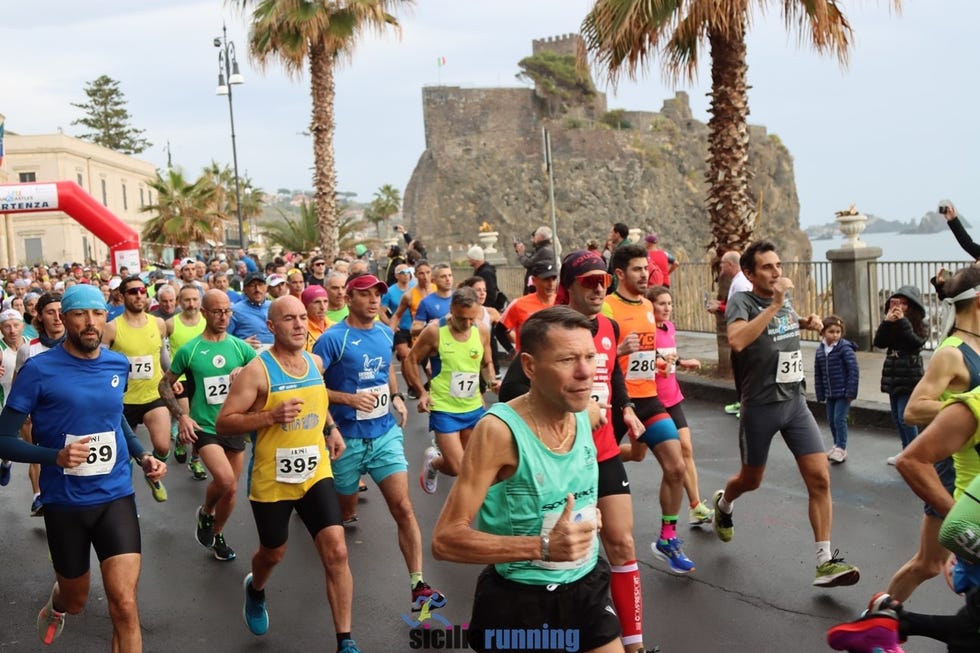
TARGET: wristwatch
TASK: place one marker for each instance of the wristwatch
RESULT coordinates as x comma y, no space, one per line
400,395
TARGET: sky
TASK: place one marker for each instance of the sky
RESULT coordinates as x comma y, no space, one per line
893,133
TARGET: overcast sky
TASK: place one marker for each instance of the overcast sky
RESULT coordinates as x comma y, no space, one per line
893,134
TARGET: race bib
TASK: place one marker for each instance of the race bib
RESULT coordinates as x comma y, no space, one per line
463,385
583,514
642,366
789,369
298,464
216,389
380,403
101,454
140,367
600,393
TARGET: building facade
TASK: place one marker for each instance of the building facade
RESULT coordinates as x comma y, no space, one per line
118,181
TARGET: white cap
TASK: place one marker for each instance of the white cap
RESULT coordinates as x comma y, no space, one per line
115,282
475,253
10,314
187,261
275,279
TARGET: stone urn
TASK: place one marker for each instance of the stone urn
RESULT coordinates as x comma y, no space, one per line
487,241
852,225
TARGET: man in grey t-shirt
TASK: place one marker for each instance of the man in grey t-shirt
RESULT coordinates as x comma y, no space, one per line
764,334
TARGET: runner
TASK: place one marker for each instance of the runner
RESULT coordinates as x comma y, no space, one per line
181,329
583,282
51,333
458,347
280,397
544,576
544,277
637,352
336,286
12,327
391,301
361,382
139,337
210,361
764,334
435,305
250,316
315,300
409,304
77,389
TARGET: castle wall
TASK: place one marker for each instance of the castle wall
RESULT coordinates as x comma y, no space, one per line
454,114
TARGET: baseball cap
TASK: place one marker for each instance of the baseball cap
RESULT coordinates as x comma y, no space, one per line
365,281
187,261
580,262
360,249
275,280
254,276
544,270
115,282
651,238
10,314
476,253
311,293
82,297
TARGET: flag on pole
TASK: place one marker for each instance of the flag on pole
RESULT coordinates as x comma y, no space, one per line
440,61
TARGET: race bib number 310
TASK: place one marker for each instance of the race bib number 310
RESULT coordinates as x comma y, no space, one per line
101,454
790,367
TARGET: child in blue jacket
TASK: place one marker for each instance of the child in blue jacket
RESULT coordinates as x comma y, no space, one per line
836,373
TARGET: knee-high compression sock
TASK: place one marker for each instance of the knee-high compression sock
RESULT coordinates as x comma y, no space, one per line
624,586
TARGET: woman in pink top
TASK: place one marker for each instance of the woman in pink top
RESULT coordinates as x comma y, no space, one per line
669,393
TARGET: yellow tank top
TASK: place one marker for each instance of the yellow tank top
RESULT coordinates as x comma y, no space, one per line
289,459
142,346
183,334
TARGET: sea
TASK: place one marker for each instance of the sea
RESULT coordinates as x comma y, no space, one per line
941,246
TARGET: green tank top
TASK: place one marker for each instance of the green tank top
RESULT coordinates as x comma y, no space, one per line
456,384
532,500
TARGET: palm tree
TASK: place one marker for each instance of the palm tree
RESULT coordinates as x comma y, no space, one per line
184,213
625,34
223,178
297,32
386,203
302,234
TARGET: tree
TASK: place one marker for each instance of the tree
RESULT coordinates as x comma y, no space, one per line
302,234
557,80
625,34
185,212
386,203
223,178
321,34
107,118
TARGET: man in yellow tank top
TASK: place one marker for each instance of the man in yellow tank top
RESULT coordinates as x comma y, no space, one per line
139,336
281,397
459,351
181,329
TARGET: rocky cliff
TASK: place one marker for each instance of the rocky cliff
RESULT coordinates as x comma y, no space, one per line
483,162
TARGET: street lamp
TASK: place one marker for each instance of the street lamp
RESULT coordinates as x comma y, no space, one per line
229,76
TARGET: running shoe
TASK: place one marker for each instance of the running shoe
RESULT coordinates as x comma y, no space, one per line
429,478
670,552
180,452
156,488
875,630
204,532
837,455
733,409
348,646
836,573
222,551
699,514
891,460
197,469
724,527
253,610
5,472
37,508
349,521
422,594
50,622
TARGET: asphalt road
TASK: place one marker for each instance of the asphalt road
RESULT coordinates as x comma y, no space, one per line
753,594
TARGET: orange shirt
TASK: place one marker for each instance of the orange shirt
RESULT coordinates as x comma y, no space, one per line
519,310
640,367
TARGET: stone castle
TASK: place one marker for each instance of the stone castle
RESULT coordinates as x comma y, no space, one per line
483,162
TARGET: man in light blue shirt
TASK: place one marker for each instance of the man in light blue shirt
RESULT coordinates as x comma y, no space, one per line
248,321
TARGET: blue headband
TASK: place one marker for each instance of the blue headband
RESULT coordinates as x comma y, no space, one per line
82,297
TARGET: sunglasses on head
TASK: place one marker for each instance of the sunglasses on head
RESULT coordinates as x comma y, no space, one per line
593,281
136,291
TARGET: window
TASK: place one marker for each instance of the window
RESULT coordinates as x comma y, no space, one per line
125,201
142,203
27,177
105,194
33,250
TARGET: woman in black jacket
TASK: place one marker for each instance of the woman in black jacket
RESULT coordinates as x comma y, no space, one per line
902,332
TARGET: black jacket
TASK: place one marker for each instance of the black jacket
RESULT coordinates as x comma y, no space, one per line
488,273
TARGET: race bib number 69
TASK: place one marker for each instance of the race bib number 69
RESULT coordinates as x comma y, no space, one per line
101,454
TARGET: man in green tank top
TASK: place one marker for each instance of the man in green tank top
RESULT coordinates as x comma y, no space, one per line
525,503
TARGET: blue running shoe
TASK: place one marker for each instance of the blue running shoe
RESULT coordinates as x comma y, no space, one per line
670,552
254,612
5,472
348,646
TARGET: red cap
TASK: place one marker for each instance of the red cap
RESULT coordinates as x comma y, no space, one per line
365,281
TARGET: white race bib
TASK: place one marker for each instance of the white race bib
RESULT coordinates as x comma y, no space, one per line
380,403
463,385
584,514
789,369
297,465
140,367
600,392
642,366
101,454
216,389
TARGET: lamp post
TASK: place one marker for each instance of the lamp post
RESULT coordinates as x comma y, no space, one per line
229,76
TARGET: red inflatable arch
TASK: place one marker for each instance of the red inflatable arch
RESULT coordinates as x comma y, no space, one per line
69,197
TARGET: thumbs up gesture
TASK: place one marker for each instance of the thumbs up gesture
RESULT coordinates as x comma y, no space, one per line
571,540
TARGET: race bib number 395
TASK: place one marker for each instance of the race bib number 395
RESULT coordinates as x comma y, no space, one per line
297,464
101,454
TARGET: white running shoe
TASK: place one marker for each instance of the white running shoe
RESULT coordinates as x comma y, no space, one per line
429,478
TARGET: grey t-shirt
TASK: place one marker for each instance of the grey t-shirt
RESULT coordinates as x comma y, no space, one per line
771,368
